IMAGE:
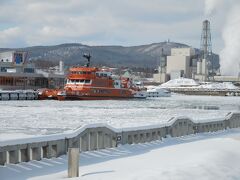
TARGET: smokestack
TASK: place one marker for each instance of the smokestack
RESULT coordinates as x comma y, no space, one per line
206,44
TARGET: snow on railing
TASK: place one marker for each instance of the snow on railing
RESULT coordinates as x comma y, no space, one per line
99,136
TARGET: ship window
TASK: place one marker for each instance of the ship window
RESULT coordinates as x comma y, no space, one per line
87,81
82,81
97,74
84,72
88,72
77,81
105,75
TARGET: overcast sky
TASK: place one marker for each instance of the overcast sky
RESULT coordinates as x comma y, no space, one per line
107,22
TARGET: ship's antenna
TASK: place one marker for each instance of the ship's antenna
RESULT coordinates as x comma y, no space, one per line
88,57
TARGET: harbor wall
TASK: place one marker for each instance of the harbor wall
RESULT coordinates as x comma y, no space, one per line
101,136
206,92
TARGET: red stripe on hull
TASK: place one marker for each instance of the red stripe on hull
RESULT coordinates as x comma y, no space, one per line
92,97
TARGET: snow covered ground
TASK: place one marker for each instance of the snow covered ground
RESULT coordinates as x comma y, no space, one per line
29,118
185,82
202,156
180,82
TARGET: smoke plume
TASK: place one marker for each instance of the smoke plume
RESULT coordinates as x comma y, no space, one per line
230,55
210,7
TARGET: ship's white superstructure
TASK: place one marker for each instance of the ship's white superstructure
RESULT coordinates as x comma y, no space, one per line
155,91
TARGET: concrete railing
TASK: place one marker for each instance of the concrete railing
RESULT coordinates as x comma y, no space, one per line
100,136
18,95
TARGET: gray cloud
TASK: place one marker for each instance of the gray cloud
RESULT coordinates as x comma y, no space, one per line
34,22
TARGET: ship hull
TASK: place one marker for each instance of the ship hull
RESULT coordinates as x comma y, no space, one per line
90,94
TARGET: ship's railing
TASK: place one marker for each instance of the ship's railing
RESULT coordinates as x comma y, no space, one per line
101,136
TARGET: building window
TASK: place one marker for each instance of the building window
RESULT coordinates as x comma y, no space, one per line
28,70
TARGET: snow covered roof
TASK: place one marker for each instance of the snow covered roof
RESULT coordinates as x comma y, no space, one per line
224,85
181,82
184,82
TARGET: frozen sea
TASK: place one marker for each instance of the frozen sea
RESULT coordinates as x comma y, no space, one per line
30,118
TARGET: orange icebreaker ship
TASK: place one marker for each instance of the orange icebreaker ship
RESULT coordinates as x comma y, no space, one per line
91,83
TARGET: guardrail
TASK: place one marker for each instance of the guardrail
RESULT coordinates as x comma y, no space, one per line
100,136
18,95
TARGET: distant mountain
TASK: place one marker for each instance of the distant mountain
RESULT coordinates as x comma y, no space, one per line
113,56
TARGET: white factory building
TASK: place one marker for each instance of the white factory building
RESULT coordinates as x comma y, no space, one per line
181,63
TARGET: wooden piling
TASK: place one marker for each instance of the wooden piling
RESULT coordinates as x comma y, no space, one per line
73,162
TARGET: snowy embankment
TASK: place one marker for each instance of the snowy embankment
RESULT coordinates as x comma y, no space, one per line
73,133
202,156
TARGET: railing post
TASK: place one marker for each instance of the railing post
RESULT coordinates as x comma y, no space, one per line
73,162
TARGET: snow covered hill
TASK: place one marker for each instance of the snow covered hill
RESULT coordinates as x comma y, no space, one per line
116,56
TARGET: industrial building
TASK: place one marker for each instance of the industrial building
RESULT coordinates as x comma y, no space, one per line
181,63
17,73
178,64
187,62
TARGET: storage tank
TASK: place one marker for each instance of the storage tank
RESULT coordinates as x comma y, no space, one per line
204,66
61,66
199,67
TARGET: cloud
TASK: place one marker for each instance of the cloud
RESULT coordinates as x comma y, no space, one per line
107,22
7,36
